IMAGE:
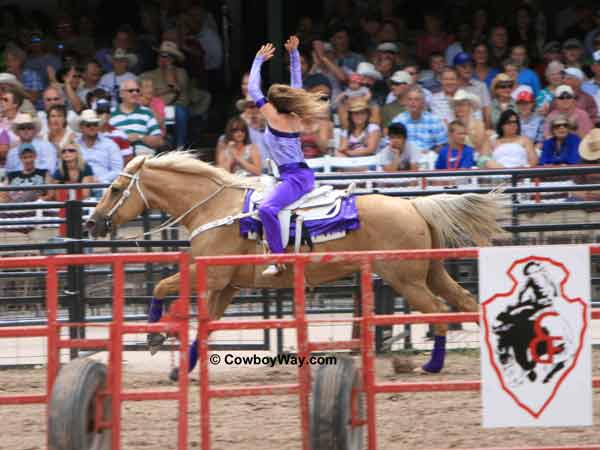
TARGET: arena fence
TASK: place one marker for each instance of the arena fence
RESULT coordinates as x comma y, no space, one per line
364,388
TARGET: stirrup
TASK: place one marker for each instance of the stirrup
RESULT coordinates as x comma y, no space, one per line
273,270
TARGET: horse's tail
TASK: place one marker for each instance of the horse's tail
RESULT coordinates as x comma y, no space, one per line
461,220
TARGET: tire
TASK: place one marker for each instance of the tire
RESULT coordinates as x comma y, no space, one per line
73,406
331,407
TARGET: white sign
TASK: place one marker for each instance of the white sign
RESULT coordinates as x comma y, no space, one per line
535,336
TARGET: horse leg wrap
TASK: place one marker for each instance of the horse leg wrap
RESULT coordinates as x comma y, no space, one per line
192,361
436,363
156,310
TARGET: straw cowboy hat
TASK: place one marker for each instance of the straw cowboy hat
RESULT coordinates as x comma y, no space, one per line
10,79
120,53
88,116
358,104
26,119
500,78
242,103
465,96
589,148
172,49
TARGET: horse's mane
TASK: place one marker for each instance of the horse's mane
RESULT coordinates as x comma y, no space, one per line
187,162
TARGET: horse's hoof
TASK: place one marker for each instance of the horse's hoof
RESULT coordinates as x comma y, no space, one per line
174,375
155,342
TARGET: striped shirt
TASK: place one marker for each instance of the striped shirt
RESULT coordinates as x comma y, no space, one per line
140,121
426,132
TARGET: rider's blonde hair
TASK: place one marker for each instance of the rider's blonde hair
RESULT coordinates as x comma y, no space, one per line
307,105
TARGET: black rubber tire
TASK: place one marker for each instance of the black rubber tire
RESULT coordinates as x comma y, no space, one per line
331,407
72,407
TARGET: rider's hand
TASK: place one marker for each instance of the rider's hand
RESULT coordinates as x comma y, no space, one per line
292,43
266,51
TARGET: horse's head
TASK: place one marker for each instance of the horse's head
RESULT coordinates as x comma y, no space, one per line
123,201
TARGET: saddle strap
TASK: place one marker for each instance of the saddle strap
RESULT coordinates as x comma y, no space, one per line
219,223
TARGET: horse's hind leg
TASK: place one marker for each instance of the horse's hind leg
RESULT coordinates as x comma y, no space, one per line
413,288
442,284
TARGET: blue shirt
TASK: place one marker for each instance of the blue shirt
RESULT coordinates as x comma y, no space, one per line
426,132
492,72
104,157
530,78
467,159
568,153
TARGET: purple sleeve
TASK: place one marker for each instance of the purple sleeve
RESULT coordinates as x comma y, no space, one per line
254,82
295,69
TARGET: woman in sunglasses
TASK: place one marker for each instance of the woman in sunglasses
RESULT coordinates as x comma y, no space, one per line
502,87
509,149
563,146
72,168
286,109
237,154
566,105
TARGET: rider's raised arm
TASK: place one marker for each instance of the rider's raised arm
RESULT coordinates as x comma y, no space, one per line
295,69
256,93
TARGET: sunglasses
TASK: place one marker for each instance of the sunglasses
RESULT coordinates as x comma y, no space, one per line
165,55
512,122
90,124
26,127
69,150
398,84
132,91
565,97
560,125
505,85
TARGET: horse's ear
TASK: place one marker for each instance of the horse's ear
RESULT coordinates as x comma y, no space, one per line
135,164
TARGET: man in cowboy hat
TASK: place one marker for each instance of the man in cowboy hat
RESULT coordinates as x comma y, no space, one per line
27,127
9,82
171,83
589,150
111,82
100,152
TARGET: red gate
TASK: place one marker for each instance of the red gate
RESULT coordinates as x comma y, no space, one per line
178,323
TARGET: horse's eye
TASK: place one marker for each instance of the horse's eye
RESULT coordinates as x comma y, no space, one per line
115,190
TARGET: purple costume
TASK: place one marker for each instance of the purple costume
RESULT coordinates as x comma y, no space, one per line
285,150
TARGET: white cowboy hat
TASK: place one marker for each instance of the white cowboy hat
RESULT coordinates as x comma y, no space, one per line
120,53
367,69
465,96
88,116
26,119
10,79
172,49
589,148
242,103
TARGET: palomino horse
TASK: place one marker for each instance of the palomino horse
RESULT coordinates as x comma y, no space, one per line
177,182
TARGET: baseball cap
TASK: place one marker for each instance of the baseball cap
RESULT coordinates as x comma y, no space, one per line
563,89
388,47
462,58
574,72
523,94
26,148
551,47
401,76
572,43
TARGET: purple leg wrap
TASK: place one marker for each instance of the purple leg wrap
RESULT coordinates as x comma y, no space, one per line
436,363
193,355
294,184
155,311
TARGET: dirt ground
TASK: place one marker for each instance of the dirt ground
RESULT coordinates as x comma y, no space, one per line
407,421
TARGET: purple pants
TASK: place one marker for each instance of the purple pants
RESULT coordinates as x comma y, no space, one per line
296,180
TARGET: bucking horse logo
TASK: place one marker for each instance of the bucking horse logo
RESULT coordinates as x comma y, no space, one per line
534,332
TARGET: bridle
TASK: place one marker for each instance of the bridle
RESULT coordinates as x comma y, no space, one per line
135,182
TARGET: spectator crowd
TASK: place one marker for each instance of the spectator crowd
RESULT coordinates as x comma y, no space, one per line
75,110
457,91
457,94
